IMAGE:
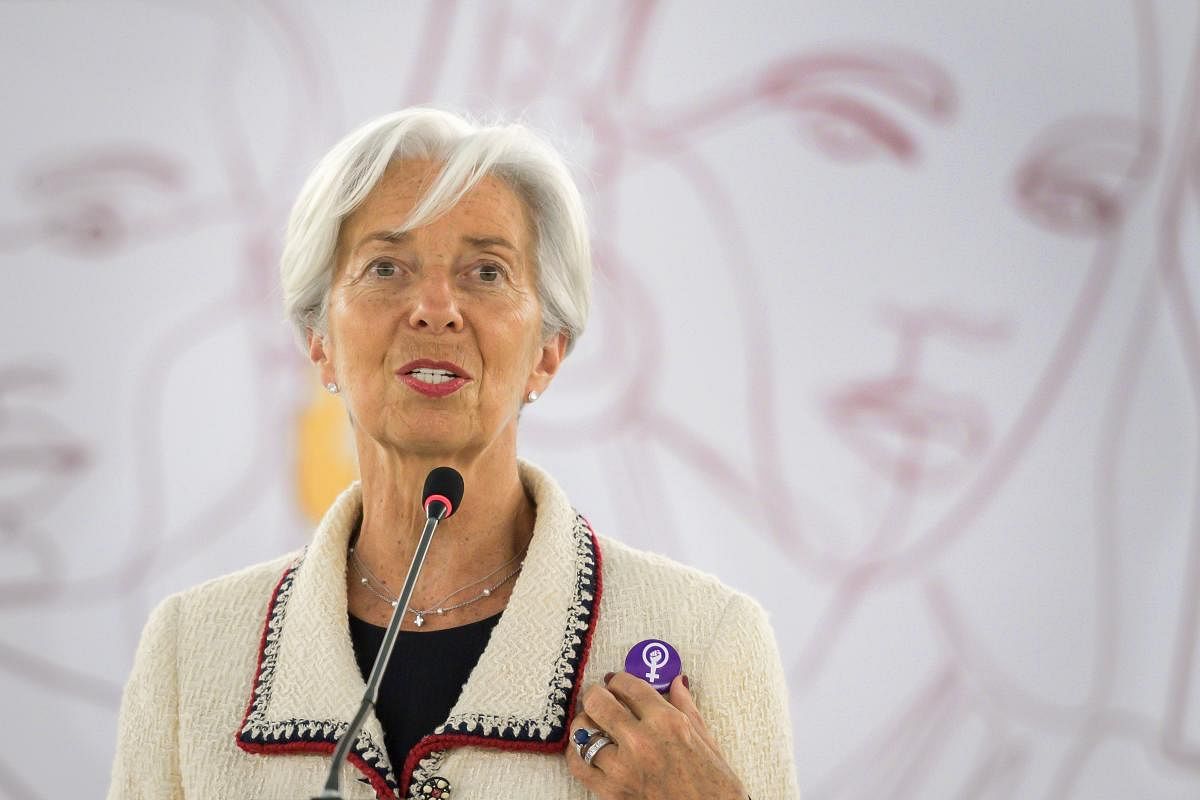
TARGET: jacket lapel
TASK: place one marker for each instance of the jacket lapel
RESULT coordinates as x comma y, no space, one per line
307,685
520,696
523,691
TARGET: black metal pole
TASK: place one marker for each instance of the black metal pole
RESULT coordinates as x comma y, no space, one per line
333,782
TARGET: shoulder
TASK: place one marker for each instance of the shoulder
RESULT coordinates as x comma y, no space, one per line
255,582
210,633
218,607
647,575
643,591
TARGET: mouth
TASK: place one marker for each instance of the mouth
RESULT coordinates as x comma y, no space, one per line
911,432
36,457
433,378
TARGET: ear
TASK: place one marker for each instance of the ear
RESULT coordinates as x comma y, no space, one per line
550,359
320,357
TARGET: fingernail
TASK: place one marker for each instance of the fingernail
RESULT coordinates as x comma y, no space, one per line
608,676
686,683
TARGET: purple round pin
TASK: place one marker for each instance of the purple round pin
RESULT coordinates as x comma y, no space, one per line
655,662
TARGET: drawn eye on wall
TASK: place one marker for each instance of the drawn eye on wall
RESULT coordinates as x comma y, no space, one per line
1077,175
846,101
94,202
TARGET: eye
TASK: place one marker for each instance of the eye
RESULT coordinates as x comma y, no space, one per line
490,272
97,201
836,96
1080,172
382,268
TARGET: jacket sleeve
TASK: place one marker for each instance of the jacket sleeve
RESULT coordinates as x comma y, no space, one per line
146,766
740,691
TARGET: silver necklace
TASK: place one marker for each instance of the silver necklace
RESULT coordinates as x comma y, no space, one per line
380,589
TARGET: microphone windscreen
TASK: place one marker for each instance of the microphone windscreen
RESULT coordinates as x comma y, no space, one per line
443,484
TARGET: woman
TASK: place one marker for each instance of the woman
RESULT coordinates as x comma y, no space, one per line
439,273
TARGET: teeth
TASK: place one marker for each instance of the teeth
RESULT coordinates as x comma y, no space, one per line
432,376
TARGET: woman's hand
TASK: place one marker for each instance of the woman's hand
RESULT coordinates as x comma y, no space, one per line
661,747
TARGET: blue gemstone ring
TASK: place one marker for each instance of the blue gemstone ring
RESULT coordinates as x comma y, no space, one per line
582,736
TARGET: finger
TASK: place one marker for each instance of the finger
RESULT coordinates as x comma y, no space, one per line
605,759
680,696
575,760
640,697
590,777
608,712
582,722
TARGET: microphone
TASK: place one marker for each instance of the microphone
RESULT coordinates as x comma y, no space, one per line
443,492
440,498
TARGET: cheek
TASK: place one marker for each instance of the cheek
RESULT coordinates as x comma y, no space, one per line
360,326
529,344
516,348
515,306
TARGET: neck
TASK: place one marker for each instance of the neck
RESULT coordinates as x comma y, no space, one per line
492,525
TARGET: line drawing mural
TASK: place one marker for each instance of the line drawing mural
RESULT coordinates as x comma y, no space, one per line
895,328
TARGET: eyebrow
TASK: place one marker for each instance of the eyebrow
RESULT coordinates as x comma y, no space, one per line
391,237
482,242
400,237
112,163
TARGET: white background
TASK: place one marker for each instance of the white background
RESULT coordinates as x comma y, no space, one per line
896,329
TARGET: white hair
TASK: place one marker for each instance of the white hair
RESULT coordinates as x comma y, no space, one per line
468,151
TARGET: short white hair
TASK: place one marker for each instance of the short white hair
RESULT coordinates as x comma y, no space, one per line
469,151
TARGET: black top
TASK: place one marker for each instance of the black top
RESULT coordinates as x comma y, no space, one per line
423,680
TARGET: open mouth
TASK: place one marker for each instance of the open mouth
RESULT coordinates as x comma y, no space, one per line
433,378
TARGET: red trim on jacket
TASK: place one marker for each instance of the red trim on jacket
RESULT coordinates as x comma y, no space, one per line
446,741
382,790
262,648
434,742
587,639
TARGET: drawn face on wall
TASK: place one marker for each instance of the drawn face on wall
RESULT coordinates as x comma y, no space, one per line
869,278
132,245
139,247
874,298
847,265
937,281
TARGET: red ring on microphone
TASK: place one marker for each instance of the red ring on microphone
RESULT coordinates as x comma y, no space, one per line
443,500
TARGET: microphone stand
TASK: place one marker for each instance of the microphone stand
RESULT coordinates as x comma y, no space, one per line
333,782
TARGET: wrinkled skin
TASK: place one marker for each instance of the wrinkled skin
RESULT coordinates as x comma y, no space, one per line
662,747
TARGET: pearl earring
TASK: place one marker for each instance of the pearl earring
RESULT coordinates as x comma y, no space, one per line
332,388
529,398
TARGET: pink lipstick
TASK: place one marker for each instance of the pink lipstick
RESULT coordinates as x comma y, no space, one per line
433,378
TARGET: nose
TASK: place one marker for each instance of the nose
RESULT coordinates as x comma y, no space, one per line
435,308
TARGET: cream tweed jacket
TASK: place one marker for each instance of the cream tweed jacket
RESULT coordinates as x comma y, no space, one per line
241,685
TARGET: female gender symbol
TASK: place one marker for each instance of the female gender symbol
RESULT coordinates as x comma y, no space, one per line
654,654
661,658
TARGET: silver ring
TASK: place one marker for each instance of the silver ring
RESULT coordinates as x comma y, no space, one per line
595,746
589,735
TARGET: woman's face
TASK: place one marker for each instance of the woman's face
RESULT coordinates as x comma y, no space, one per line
434,335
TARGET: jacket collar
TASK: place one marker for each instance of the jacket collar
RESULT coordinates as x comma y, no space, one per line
520,696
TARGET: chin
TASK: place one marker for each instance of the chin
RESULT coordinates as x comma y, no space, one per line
430,446
433,434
